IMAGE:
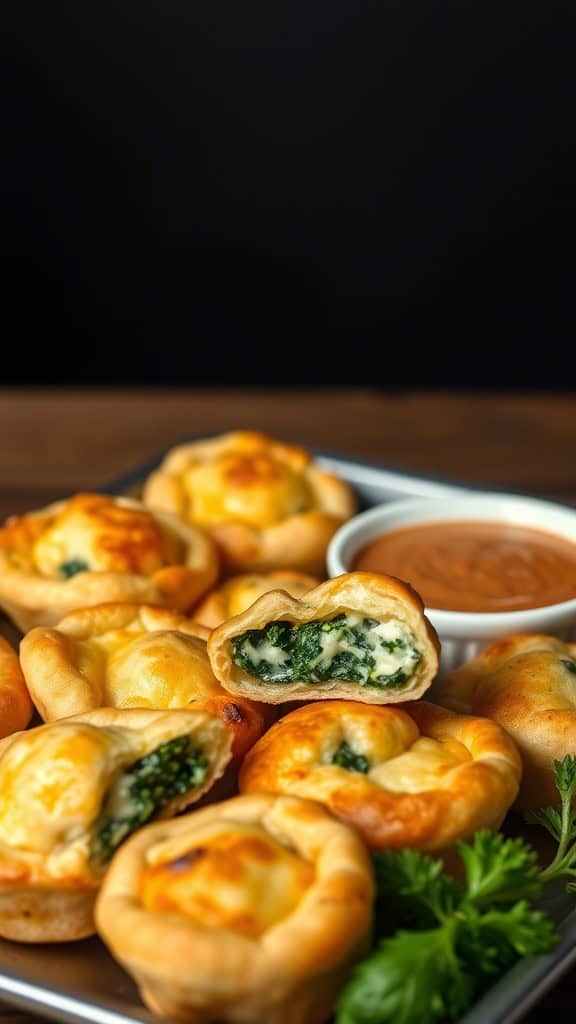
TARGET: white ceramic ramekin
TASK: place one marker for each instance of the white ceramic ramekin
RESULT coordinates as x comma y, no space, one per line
464,634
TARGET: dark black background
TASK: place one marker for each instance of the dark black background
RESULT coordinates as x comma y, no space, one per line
240,191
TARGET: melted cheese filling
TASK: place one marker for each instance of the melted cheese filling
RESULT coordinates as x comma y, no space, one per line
374,652
239,878
403,656
254,489
95,532
389,753
425,766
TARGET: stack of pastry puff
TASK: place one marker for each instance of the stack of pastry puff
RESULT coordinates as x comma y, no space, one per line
182,648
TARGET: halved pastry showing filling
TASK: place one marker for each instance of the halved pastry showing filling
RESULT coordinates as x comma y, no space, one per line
94,548
236,594
266,503
417,776
73,791
360,636
249,911
15,705
131,656
527,684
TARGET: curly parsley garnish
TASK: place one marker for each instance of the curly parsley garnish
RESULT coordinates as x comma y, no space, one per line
442,941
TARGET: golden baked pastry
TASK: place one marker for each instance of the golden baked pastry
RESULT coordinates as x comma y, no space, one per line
360,636
236,594
94,548
416,776
130,656
70,794
267,504
527,684
249,911
15,704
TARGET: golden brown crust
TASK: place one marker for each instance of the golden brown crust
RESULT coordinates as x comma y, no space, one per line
53,784
136,555
526,685
46,915
378,597
432,777
236,594
15,704
130,655
267,504
193,966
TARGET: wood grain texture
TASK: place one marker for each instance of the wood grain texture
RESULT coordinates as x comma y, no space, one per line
56,442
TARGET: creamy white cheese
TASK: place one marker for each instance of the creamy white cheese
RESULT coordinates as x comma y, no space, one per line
120,802
386,662
377,653
266,652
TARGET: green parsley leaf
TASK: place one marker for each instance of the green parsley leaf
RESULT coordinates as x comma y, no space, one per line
561,824
413,978
490,941
549,817
499,870
565,776
413,890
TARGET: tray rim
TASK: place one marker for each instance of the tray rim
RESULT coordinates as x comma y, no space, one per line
506,1002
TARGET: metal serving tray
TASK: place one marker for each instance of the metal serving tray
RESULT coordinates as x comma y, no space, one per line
80,982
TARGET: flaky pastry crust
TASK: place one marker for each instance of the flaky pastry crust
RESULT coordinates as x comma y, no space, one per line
236,594
379,597
417,776
115,550
54,783
267,504
247,911
131,655
527,684
15,704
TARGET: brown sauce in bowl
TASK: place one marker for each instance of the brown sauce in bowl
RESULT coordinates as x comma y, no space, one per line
476,566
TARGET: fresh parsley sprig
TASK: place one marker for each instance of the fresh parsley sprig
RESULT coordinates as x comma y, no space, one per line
443,942
463,934
560,823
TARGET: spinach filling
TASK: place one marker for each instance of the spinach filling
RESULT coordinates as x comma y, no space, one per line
347,647
570,666
72,566
346,757
143,790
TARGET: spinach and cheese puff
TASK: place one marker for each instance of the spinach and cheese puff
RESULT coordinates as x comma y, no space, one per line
15,704
73,791
360,636
249,911
527,684
130,656
236,594
94,548
416,776
267,504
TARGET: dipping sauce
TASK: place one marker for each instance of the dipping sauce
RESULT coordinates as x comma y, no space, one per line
470,566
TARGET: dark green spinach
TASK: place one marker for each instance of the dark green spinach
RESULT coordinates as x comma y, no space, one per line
143,790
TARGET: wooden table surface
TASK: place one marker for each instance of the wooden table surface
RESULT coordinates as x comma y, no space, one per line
56,442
